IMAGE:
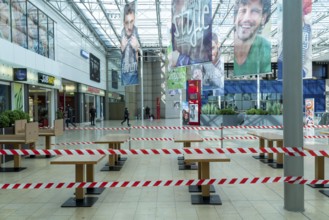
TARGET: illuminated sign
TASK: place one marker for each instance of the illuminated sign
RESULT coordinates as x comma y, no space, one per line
84,54
45,79
93,90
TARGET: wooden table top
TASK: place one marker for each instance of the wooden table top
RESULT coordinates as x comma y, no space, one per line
112,138
324,132
78,159
206,158
187,137
267,135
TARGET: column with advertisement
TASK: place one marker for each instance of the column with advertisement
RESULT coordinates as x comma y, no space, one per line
309,118
194,101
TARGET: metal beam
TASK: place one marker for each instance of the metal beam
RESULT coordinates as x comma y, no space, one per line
157,3
76,28
86,22
101,5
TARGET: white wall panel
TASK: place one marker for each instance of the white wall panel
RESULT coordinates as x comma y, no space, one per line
69,64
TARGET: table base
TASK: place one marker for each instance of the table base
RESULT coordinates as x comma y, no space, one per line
117,164
94,191
111,168
86,202
324,192
276,165
318,185
211,200
11,169
120,163
267,161
188,167
260,157
195,188
123,158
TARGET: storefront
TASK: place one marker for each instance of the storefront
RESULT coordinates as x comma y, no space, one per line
68,96
42,99
91,96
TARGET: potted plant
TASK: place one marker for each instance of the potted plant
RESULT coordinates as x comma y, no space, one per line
213,116
272,116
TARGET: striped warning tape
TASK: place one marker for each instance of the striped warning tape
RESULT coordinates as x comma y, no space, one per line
158,183
150,183
202,128
289,151
205,139
197,128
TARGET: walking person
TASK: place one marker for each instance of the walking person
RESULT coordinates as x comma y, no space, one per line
92,113
126,117
69,114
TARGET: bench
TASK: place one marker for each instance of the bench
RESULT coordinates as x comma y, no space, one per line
20,126
270,138
203,161
186,139
84,169
29,136
114,141
58,130
47,133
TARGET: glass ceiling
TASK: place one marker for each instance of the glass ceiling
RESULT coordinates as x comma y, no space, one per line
99,21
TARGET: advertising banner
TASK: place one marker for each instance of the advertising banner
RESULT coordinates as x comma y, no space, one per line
18,100
307,39
129,45
252,37
95,65
309,111
190,32
176,78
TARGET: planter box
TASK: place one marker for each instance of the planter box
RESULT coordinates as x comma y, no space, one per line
9,130
241,119
218,120
265,120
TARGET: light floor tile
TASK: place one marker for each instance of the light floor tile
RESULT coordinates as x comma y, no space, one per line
256,201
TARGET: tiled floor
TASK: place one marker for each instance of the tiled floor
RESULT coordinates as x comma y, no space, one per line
260,201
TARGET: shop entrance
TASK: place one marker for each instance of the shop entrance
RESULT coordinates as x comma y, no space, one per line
39,105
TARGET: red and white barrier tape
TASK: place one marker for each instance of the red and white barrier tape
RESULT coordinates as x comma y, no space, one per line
198,128
205,139
74,143
288,151
157,183
202,128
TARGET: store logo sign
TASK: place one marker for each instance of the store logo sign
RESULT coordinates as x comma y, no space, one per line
84,54
45,79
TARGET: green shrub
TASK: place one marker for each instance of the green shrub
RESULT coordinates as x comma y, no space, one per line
274,109
253,111
209,109
12,115
4,121
227,111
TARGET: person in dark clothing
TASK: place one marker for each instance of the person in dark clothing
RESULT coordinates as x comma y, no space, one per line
126,117
92,113
69,114
147,112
